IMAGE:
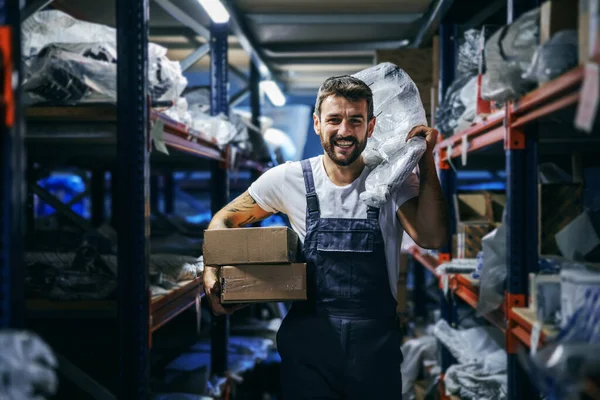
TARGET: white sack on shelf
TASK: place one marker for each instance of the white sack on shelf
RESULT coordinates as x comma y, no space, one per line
94,47
398,108
27,367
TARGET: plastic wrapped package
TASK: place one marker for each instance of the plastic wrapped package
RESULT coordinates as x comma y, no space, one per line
54,42
553,58
27,367
398,108
416,352
223,129
460,99
468,98
493,271
468,53
575,281
481,372
562,367
179,112
508,54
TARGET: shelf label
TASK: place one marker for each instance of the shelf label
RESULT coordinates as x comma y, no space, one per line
536,332
445,283
464,150
588,99
157,136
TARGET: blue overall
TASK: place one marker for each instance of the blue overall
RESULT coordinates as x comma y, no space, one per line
344,341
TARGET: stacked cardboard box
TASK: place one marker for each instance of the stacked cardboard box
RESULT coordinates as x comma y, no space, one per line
589,29
477,215
559,205
257,264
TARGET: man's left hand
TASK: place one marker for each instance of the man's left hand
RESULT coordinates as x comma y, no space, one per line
430,135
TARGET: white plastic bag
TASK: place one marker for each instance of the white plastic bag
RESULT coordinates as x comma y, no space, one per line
398,108
78,42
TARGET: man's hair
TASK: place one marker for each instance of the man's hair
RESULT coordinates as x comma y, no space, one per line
349,87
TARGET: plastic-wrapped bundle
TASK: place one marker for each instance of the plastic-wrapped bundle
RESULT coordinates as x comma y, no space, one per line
398,109
508,54
556,56
457,111
468,53
223,129
27,367
71,41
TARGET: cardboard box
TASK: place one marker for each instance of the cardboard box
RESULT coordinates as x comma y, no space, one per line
588,29
263,283
559,205
469,237
274,245
555,16
477,215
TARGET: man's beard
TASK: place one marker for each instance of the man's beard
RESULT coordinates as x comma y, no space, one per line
329,147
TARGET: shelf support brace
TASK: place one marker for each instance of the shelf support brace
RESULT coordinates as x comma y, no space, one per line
196,56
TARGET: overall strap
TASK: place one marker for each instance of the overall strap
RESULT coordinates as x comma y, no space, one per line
312,201
373,213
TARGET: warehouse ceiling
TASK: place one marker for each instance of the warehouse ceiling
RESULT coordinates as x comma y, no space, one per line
301,42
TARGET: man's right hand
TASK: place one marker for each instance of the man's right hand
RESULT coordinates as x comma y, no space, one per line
212,288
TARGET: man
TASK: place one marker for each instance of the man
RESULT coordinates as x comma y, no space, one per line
344,341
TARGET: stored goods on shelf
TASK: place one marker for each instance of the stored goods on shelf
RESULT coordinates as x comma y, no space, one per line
260,283
508,54
71,60
553,58
27,367
237,246
482,366
580,239
556,16
575,281
493,271
398,108
589,29
559,205
477,214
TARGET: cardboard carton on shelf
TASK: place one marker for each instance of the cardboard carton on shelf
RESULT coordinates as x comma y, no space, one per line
242,246
477,215
263,283
556,16
588,29
559,204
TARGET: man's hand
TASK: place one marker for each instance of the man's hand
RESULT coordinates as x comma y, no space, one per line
212,288
430,135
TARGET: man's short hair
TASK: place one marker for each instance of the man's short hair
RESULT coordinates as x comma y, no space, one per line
349,87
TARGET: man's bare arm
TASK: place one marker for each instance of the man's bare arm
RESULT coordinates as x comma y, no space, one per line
425,217
240,212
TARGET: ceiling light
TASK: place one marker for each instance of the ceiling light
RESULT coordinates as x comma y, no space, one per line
215,10
273,92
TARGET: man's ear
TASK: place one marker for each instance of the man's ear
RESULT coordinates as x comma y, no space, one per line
317,123
371,127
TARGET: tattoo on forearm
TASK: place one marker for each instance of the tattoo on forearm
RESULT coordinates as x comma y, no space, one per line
244,203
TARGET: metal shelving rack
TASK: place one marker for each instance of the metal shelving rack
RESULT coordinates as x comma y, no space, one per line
514,129
126,129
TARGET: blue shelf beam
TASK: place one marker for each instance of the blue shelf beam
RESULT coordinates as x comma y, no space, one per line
132,222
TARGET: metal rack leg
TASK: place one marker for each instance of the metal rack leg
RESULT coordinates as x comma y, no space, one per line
219,177
169,193
522,249
12,174
98,196
154,194
133,170
419,294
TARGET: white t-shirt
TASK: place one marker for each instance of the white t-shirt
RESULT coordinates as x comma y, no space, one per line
282,189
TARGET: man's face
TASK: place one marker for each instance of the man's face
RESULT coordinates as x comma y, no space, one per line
343,128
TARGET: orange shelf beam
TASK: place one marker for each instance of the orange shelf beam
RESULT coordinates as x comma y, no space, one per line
556,95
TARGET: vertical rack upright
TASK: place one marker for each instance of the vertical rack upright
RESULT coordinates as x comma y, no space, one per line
219,104
133,209
12,170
